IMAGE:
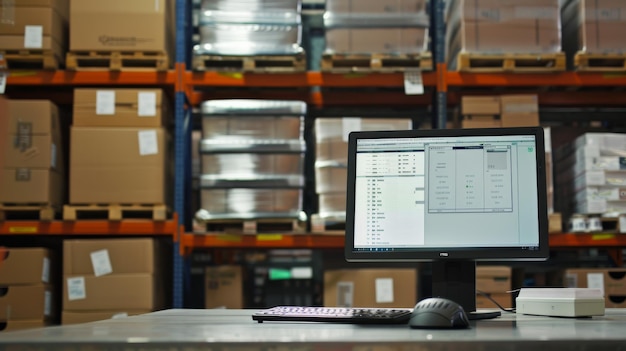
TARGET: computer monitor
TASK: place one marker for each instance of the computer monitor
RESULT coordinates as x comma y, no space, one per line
448,196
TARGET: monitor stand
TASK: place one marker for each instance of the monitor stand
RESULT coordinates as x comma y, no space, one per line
456,280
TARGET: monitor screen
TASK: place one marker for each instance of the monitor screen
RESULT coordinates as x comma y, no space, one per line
452,197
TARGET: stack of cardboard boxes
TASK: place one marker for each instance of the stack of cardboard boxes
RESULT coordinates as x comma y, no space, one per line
499,111
26,282
502,26
112,278
119,147
495,282
37,26
376,27
612,282
331,161
33,170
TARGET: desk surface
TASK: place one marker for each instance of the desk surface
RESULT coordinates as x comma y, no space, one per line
235,330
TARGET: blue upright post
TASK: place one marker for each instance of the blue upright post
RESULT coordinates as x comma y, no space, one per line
439,47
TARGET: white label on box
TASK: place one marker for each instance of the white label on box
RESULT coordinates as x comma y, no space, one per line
47,303
45,270
345,294
596,281
384,290
350,124
105,102
33,37
119,315
76,288
146,104
3,82
148,142
571,280
101,263
301,273
536,12
413,83
622,224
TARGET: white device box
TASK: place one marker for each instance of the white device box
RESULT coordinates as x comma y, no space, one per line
560,302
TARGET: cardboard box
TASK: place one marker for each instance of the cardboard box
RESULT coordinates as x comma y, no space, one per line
332,203
519,110
371,287
338,129
40,151
377,40
612,282
118,165
595,26
493,279
480,105
8,326
32,186
480,122
60,6
37,117
375,7
223,287
519,119
330,179
503,299
26,302
139,291
50,22
121,25
73,317
335,151
111,256
26,266
120,108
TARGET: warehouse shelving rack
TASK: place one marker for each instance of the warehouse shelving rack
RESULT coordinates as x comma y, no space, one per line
443,89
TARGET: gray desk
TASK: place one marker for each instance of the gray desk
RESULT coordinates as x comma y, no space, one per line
234,330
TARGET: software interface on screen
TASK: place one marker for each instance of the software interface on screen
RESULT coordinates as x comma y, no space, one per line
446,192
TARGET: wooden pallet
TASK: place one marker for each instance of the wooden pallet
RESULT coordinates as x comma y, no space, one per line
42,212
29,59
115,212
345,63
522,63
117,61
251,226
328,225
253,63
588,62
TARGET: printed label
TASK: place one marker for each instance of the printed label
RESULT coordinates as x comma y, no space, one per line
148,142
105,102
3,82
33,37
596,281
345,294
384,290
146,102
101,263
413,84
76,288
45,270
47,303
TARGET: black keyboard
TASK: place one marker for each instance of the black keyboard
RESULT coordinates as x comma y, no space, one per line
351,315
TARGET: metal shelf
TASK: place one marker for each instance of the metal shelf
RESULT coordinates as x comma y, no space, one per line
78,78
90,227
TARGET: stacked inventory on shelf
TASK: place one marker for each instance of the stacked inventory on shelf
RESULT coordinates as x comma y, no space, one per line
34,168
268,29
28,295
591,175
331,161
480,33
592,34
388,34
252,156
119,152
33,33
106,278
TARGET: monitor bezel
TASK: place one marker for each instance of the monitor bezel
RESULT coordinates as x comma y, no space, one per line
461,253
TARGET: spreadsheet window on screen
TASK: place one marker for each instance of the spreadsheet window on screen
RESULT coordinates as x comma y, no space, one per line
452,192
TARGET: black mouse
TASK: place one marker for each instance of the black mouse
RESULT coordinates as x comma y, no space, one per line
436,313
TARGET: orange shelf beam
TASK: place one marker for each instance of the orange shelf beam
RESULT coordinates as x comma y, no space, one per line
599,240
71,78
190,241
89,227
560,79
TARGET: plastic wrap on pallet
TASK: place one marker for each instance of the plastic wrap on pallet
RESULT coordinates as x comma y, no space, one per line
250,203
249,39
235,145
251,11
253,127
503,26
252,107
284,170
399,20
373,13
594,27
332,179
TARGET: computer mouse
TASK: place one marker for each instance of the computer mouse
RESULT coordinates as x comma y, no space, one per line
436,313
